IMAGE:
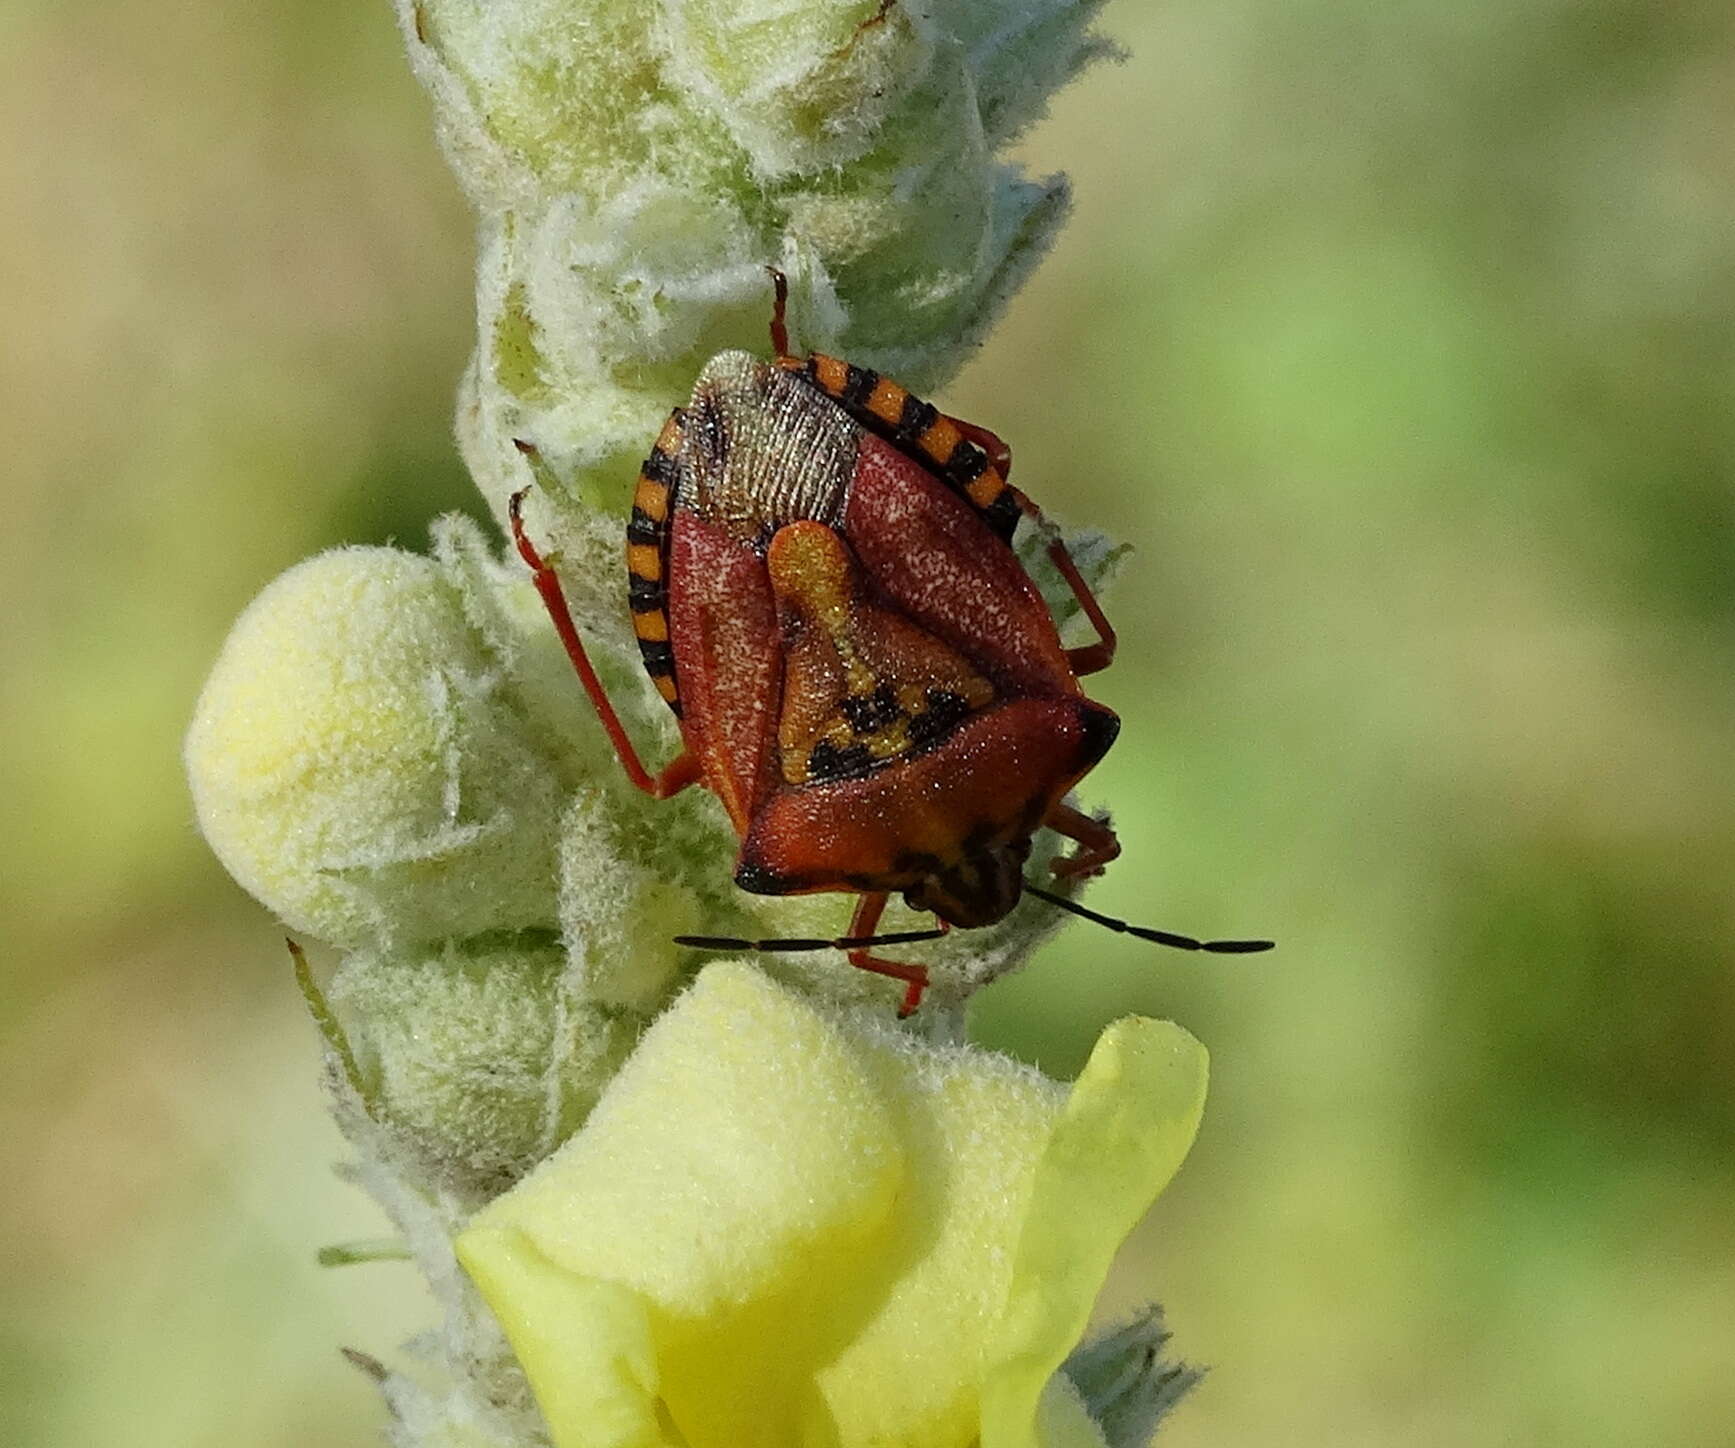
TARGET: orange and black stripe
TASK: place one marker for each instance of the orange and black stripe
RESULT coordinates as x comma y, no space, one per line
919,430
647,560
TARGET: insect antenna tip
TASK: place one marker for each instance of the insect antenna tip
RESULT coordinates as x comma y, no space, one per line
1146,932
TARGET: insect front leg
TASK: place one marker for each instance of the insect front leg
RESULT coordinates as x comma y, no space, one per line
863,924
684,768
1097,843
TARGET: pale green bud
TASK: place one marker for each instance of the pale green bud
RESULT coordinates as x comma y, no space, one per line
358,765
637,167
626,892
476,1063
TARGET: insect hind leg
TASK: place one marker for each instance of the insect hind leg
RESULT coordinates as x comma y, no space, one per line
779,313
1092,658
999,454
684,768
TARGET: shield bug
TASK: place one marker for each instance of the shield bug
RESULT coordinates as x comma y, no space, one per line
824,590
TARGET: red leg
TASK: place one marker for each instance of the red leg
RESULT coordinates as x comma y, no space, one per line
998,453
1093,657
1097,844
684,768
779,306
865,921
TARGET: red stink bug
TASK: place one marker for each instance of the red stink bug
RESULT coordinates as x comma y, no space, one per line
823,588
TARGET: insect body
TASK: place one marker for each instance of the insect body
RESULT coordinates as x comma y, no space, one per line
824,591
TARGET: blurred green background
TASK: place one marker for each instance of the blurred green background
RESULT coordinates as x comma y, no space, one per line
1398,338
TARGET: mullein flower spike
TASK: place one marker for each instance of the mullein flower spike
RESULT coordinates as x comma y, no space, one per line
743,1207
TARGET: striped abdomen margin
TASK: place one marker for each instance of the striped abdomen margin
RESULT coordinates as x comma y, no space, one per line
919,430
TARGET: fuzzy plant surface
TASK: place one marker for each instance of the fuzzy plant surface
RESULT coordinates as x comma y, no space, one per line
665,1200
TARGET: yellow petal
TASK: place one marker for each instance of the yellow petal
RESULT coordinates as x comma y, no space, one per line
739,1177
825,1233
1127,1126
585,1345
741,1137
974,1126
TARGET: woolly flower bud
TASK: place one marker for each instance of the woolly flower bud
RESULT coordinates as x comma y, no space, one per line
471,1060
784,1225
355,766
637,166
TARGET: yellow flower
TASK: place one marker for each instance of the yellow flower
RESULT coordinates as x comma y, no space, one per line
786,1227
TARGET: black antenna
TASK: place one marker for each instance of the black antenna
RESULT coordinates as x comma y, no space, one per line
846,942
1159,937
